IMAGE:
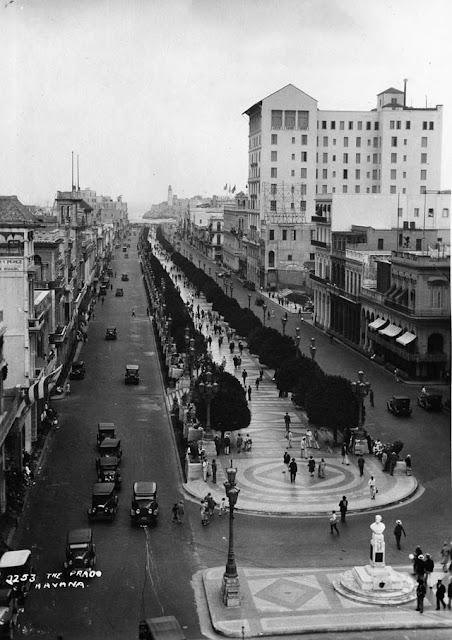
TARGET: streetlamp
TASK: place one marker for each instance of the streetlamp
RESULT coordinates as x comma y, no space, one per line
297,339
230,588
231,288
208,390
361,389
284,322
249,300
204,266
313,348
264,309
216,276
210,270
199,262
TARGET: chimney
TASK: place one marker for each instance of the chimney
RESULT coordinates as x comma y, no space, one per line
405,80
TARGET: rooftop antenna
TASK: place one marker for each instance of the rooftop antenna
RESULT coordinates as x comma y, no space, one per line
72,170
405,80
78,175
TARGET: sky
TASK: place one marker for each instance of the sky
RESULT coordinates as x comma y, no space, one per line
150,93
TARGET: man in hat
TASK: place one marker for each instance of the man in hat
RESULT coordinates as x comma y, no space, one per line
398,530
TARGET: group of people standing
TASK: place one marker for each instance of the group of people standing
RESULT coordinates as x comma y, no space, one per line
423,566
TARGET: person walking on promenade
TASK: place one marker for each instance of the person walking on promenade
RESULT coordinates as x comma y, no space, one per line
316,439
227,443
420,595
372,487
287,421
304,448
321,468
204,514
293,468
214,471
429,566
370,444
309,438
397,375
311,466
239,442
240,347
289,439
361,463
175,511
371,398
231,346
220,342
398,530
222,507
408,465
181,511
133,312
449,593
205,470
333,523
440,593
258,381
249,393
244,376
286,459
343,507
217,442
344,453
445,555
261,374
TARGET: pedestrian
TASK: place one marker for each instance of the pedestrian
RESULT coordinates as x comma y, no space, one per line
249,393
220,342
309,438
211,504
343,507
217,442
344,453
181,510
398,530
258,381
111,287
227,443
239,442
361,463
244,375
261,374
231,346
286,459
68,388
420,595
445,554
222,507
429,566
175,511
397,375
287,421
449,593
133,312
370,444
293,468
289,439
205,470
240,347
440,593
204,514
333,522
214,471
321,468
408,465
372,487
371,397
209,340
311,466
316,439
419,567
304,448
392,462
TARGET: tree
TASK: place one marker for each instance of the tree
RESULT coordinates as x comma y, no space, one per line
331,403
298,375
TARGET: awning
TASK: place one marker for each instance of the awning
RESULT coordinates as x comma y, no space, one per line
406,338
376,324
391,331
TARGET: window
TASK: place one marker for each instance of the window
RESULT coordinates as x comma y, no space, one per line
393,174
345,174
272,205
304,156
368,126
292,173
324,188
334,142
304,139
284,234
345,160
376,126
334,174
303,120
393,157
375,158
325,141
374,174
303,189
405,142
375,143
360,125
293,156
289,257
271,234
357,174
271,258
303,205
394,141
392,189
380,244
350,125
292,205
357,188
374,189
334,158
345,142
358,158
289,119
445,213
424,126
294,234
312,256
398,124
392,124
358,142
408,124
341,125
303,173
273,189
274,138
325,174
424,141
274,156
324,124
344,188
431,213
430,126
333,124
404,175
325,157
293,140
273,172
423,174
423,158
276,119
404,158
416,212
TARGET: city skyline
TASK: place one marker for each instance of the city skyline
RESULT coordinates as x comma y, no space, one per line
149,94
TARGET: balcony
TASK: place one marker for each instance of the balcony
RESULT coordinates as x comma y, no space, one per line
36,324
321,219
403,352
318,279
59,336
319,243
11,405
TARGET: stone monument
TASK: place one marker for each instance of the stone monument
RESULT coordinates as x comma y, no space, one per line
375,582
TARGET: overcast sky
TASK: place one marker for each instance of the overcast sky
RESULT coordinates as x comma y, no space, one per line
150,92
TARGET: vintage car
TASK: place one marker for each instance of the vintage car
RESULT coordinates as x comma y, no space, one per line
77,370
105,430
108,470
103,290
16,571
399,405
430,401
125,277
124,249
110,448
250,285
145,508
119,292
104,501
9,611
164,628
110,333
132,375
259,302
80,549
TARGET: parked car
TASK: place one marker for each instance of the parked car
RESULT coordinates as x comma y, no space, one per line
119,292
430,401
399,405
105,430
145,508
250,285
309,306
16,571
103,290
259,302
108,470
80,549
104,501
77,370
132,375
125,277
164,628
110,333
110,448
9,612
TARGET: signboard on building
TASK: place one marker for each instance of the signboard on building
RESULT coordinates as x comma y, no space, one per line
11,264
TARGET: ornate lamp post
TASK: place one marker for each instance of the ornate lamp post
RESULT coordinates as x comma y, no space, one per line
230,589
204,266
313,348
231,289
210,271
216,276
361,390
264,309
297,338
249,301
284,322
199,262
208,390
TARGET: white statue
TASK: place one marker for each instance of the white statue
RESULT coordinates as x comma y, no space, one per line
377,528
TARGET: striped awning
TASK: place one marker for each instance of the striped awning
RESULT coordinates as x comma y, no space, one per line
406,338
377,324
391,331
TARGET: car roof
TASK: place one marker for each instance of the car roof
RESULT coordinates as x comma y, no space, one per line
76,536
165,628
78,363
109,462
110,442
103,488
400,398
14,558
133,367
111,328
144,488
105,425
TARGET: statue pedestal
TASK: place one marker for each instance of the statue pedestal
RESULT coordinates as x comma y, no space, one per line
370,578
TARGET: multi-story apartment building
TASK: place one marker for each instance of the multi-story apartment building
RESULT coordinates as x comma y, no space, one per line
297,151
